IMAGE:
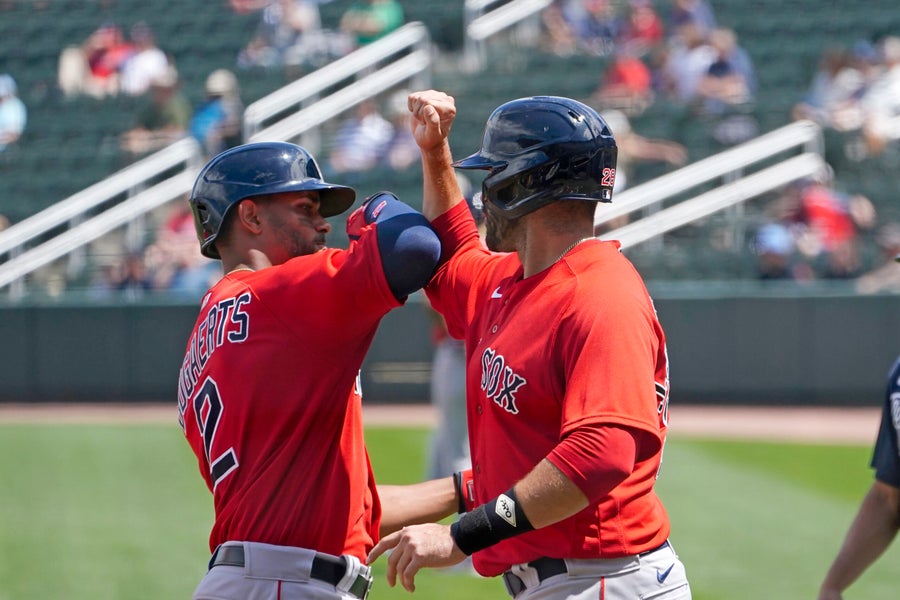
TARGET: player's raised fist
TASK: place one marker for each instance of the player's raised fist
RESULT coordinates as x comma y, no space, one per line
432,116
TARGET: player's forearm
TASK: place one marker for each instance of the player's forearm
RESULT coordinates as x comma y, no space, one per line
583,467
542,498
875,526
441,190
548,496
424,502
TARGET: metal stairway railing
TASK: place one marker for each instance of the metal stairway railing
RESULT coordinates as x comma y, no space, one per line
729,165
23,245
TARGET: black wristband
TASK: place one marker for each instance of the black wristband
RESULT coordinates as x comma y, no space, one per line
492,522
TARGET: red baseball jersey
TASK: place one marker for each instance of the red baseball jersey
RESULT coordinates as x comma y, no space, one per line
269,400
578,343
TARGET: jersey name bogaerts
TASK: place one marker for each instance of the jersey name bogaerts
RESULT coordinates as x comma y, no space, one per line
578,343
269,400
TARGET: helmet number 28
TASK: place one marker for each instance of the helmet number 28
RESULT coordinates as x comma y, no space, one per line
608,177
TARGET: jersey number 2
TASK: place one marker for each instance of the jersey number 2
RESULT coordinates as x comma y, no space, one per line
208,410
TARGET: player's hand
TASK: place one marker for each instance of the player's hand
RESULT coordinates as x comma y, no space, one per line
432,114
362,216
355,222
415,547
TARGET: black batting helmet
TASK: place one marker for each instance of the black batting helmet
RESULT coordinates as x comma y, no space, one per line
258,169
542,149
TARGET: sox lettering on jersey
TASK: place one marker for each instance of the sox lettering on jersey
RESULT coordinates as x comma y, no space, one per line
498,381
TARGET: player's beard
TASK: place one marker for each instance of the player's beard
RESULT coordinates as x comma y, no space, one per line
500,232
297,243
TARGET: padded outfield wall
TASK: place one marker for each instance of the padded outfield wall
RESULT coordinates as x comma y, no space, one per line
764,348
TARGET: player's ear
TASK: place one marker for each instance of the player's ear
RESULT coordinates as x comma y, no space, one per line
248,216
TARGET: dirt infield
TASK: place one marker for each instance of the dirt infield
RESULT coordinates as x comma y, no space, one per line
812,425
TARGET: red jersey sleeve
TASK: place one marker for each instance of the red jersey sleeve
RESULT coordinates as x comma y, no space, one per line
609,341
333,282
462,282
596,458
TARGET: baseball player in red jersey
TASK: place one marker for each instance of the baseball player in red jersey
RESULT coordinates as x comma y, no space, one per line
567,374
268,392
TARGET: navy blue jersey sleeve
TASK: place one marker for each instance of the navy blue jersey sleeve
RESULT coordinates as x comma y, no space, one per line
886,457
409,247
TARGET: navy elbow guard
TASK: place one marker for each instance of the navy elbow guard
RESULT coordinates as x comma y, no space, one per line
409,247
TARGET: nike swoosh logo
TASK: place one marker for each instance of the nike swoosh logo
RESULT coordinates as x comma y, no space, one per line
497,293
662,575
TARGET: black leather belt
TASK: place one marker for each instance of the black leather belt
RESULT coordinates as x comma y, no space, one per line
548,567
325,567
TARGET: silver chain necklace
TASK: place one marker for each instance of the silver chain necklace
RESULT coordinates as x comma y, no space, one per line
567,250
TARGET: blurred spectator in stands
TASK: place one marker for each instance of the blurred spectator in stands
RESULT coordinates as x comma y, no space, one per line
727,91
729,80
243,7
173,260
163,119
13,114
684,63
596,25
127,275
148,62
775,254
402,151
626,85
634,148
643,29
696,12
360,142
217,123
885,277
558,36
368,20
93,67
290,35
881,101
825,224
841,78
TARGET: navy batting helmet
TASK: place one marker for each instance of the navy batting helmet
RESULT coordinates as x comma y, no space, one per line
542,149
255,170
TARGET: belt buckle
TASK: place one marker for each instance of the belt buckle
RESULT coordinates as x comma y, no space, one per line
514,584
360,588
357,579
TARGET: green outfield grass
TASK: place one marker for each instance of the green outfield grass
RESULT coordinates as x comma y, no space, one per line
119,512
